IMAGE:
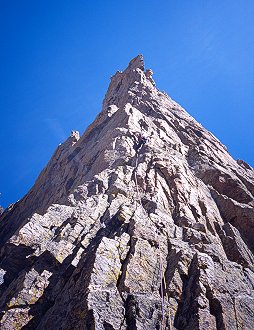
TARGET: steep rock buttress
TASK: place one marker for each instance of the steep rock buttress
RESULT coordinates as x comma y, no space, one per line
111,237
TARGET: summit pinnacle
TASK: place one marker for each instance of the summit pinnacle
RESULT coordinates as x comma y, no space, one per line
143,222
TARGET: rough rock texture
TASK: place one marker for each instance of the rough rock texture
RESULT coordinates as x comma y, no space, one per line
111,237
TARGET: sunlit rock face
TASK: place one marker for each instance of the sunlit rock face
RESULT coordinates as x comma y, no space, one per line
113,236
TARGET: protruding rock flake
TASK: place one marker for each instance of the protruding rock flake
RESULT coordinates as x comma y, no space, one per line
143,222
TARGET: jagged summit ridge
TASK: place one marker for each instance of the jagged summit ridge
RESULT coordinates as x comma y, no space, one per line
137,63
124,85
115,237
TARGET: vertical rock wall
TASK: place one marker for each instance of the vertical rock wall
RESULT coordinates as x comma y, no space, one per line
111,237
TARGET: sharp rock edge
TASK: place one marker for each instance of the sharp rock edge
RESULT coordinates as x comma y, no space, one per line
114,238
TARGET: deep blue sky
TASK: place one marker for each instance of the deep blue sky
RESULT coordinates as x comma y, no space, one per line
57,57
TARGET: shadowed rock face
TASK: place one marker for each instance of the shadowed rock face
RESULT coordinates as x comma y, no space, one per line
111,237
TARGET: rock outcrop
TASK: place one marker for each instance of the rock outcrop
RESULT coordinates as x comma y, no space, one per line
112,236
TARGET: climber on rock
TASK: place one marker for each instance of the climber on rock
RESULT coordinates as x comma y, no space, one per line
140,140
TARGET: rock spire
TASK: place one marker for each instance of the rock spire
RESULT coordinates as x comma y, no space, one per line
112,236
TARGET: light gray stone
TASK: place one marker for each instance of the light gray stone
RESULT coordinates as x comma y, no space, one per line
111,237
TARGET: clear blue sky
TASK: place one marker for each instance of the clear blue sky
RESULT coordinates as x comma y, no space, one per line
57,57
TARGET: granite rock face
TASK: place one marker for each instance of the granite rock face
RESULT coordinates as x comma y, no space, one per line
116,237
